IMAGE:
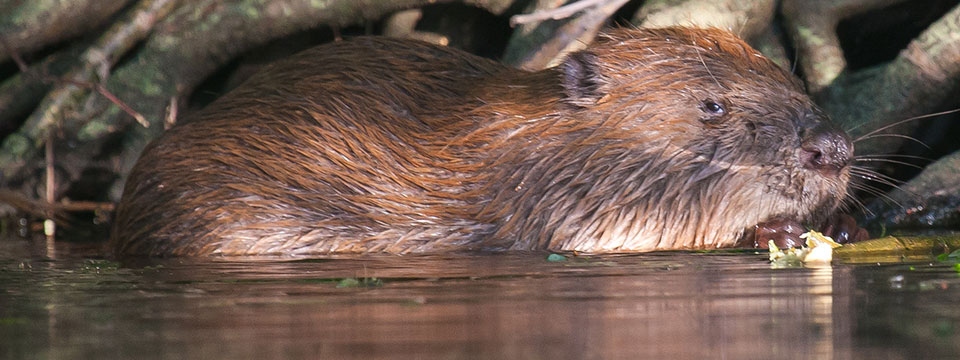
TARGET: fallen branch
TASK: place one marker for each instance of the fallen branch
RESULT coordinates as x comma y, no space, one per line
21,93
928,200
541,45
82,206
28,26
746,18
21,147
922,78
172,62
812,24
402,24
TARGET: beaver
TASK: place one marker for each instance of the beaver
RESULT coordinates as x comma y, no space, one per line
649,139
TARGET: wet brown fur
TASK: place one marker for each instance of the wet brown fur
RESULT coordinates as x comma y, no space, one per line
389,145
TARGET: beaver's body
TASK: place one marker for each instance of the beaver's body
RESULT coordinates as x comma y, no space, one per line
649,139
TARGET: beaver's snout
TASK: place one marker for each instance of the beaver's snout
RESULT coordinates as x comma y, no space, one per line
826,150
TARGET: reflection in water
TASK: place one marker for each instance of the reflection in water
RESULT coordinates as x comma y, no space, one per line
510,306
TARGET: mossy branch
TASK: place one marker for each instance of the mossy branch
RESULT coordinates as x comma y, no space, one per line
924,76
30,25
66,99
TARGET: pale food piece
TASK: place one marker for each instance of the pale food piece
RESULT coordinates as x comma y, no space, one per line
819,250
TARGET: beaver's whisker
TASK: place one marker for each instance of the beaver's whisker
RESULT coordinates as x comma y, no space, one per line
870,174
888,156
707,68
872,190
895,183
848,200
904,163
880,181
911,138
882,128
878,193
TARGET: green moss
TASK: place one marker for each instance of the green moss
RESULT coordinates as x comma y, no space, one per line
556,258
98,266
359,282
150,87
92,131
319,3
12,321
808,34
165,42
39,9
16,145
348,282
252,12
943,328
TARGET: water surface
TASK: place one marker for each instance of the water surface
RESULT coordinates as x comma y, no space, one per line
66,302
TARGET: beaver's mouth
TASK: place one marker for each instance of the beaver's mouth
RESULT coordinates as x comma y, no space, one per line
820,192
805,194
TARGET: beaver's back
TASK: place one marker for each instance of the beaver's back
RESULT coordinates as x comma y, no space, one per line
318,146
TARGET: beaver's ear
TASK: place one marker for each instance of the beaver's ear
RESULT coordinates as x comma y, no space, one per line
581,78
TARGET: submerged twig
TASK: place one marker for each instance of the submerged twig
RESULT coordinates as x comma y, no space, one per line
49,226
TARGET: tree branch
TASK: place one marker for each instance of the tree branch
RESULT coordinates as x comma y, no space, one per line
924,76
746,18
30,25
24,145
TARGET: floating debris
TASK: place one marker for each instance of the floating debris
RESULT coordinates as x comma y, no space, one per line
819,251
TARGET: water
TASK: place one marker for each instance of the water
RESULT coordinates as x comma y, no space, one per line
473,306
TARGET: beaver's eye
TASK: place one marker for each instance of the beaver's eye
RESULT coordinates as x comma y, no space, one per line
713,108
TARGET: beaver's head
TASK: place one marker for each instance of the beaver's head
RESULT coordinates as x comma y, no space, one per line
686,137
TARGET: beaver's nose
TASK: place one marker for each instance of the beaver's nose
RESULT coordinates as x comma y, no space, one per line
826,150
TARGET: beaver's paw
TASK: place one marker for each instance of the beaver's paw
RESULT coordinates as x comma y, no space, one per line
844,229
785,233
